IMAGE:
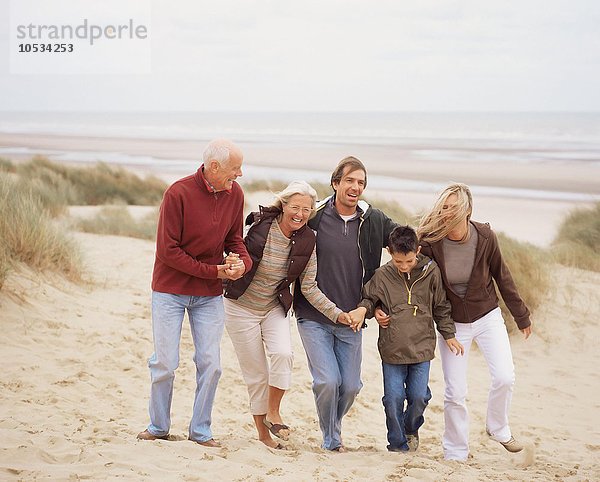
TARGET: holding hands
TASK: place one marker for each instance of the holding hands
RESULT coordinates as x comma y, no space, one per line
354,319
233,267
357,316
344,319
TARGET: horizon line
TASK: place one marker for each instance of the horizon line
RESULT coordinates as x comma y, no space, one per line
295,111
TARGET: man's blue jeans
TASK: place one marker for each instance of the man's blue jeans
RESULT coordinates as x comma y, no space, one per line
334,355
404,382
206,317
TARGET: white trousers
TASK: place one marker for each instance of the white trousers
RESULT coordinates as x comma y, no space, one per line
489,332
263,347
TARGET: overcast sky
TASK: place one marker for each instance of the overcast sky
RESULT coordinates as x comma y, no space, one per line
341,55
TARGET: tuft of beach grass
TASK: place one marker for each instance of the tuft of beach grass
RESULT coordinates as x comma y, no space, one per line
117,220
530,269
578,238
28,234
93,185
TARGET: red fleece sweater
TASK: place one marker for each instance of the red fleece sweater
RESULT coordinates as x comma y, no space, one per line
195,227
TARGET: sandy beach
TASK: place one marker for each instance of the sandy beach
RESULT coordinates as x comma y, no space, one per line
75,392
75,385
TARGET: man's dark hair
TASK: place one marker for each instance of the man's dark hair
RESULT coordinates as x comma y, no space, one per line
354,163
403,239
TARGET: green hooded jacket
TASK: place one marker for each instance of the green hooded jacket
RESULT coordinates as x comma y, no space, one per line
413,303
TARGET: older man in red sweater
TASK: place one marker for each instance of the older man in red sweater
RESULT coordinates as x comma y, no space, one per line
200,219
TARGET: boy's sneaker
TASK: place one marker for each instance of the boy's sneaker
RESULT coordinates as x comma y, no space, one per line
396,449
413,441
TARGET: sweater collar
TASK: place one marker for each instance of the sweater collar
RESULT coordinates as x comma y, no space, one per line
201,179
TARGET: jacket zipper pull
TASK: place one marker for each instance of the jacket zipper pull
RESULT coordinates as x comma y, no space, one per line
415,310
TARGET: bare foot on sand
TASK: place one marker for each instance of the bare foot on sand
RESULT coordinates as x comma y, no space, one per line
273,444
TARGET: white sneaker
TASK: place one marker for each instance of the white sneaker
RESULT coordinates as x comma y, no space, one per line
511,445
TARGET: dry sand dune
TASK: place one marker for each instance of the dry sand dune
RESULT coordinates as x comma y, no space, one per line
75,392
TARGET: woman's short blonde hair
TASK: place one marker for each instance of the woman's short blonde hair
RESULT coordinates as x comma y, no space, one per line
437,223
296,187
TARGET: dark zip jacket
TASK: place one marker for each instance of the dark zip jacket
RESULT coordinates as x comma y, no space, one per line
373,234
481,297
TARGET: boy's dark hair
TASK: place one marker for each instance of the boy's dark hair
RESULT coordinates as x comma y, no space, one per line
355,165
403,239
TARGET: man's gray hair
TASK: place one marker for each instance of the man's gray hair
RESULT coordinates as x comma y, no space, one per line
217,150
293,188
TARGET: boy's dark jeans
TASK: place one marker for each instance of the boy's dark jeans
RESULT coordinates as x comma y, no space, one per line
404,382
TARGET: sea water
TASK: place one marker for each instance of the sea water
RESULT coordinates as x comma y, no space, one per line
425,136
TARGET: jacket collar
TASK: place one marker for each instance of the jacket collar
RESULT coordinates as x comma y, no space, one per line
421,268
362,204
203,182
264,212
483,229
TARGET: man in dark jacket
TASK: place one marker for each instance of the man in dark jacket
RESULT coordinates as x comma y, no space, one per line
350,238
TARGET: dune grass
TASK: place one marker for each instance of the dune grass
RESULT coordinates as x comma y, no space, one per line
394,211
6,165
33,192
323,190
92,185
5,262
118,221
28,235
53,191
530,268
262,185
578,239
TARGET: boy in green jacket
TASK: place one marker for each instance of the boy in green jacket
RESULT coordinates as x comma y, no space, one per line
409,288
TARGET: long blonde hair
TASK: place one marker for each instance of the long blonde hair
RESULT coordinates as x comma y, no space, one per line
437,223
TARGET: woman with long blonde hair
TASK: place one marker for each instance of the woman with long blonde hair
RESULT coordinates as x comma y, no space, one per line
470,260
